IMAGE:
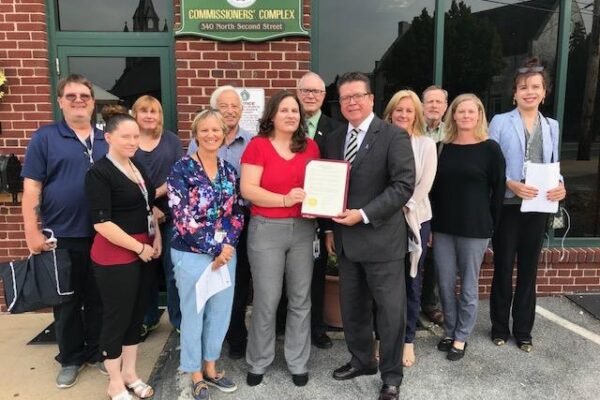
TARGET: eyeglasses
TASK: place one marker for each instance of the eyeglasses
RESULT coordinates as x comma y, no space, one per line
358,97
314,92
526,70
82,96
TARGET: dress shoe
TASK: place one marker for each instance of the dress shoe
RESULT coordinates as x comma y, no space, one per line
389,392
347,371
322,341
300,379
445,344
456,354
525,345
253,379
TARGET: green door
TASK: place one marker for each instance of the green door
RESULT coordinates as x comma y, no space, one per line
121,74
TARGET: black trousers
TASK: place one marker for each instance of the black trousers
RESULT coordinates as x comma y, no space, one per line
361,284
519,235
317,293
237,334
77,323
430,299
125,291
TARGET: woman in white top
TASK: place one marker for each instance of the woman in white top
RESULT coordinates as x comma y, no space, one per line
406,111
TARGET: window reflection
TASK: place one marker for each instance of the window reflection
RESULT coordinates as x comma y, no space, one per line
485,42
113,15
119,79
580,147
390,40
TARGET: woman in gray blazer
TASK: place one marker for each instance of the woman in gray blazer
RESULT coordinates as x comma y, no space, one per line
524,135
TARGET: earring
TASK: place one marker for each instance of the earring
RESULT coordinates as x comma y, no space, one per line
543,99
514,101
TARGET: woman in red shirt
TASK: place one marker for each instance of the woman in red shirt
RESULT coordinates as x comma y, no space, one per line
279,239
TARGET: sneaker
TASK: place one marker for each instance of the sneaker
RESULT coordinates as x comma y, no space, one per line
146,329
200,391
67,376
221,382
99,365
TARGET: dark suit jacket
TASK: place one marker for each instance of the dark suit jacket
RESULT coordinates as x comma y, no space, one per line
325,127
382,180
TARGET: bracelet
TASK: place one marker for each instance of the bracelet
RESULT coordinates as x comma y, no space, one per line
284,201
142,250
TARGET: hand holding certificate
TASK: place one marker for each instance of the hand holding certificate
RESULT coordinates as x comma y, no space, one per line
326,187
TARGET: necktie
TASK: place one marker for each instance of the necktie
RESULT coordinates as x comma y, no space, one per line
351,146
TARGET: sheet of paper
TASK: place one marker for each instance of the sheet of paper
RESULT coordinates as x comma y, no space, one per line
325,184
544,177
210,283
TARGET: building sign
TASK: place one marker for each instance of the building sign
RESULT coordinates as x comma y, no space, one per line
232,20
253,102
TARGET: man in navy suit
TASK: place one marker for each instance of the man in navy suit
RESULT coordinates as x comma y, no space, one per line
370,237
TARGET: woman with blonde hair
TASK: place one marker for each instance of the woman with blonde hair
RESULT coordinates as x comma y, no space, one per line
207,216
158,151
466,198
406,111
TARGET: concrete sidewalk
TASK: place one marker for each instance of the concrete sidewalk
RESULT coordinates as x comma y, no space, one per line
29,372
563,365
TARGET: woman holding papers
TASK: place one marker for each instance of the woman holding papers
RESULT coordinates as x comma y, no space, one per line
406,111
466,199
204,202
524,135
120,196
279,239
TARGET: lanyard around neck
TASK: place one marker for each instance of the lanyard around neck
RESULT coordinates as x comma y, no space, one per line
138,180
88,150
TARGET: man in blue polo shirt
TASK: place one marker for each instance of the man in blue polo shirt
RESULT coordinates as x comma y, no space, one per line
57,160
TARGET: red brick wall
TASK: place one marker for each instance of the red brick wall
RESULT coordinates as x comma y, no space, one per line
26,104
578,271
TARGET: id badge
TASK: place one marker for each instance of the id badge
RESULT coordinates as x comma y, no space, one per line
220,236
316,247
151,229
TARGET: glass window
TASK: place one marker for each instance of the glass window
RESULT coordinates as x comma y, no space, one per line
119,80
581,146
114,15
486,41
391,41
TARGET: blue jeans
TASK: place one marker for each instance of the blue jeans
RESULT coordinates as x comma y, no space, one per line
202,334
151,316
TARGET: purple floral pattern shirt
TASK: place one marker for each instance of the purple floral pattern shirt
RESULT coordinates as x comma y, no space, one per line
201,207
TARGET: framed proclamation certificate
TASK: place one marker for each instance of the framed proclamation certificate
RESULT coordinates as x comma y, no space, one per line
326,187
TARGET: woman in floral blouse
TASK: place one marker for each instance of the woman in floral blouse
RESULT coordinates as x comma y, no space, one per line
203,197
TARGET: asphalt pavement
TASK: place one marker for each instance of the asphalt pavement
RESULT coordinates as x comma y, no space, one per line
563,365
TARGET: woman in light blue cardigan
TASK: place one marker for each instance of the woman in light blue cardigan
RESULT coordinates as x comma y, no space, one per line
524,134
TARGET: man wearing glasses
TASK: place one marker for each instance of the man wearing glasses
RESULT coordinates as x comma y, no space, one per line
370,237
311,92
57,160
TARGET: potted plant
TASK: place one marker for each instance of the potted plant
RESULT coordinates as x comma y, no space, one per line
332,312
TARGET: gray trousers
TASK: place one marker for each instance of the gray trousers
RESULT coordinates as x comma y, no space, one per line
462,256
279,247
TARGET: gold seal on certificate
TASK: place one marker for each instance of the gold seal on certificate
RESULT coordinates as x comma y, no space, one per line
326,187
